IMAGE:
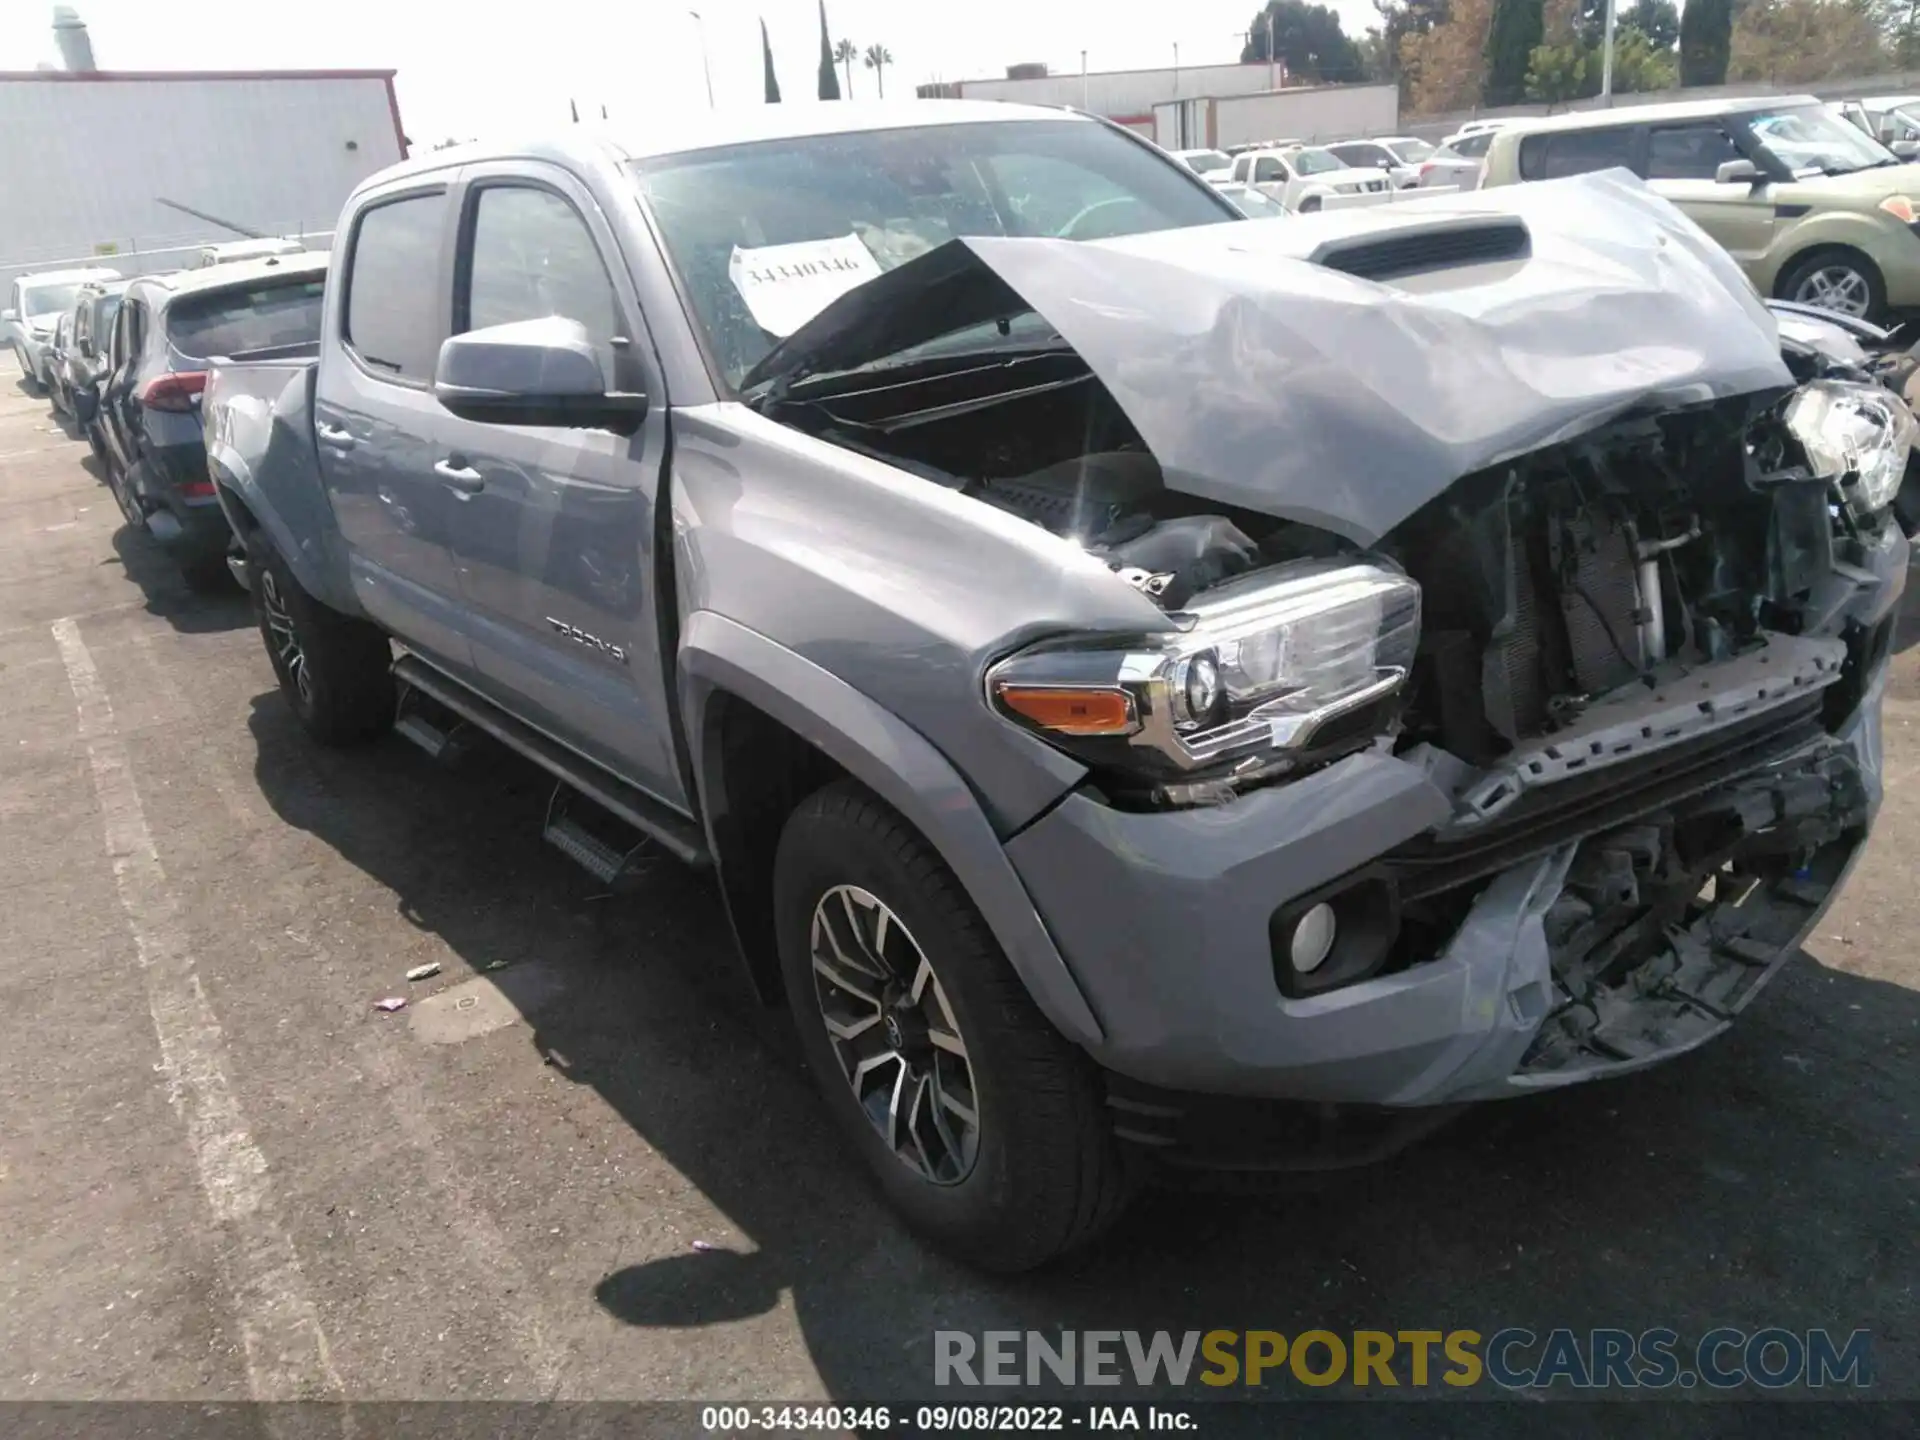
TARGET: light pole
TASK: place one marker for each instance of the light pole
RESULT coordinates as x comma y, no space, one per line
1083,80
1176,67
1606,60
705,67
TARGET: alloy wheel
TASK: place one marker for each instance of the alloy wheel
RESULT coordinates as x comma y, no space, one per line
280,635
1839,288
894,1034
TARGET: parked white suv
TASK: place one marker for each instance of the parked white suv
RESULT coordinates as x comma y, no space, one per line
1304,178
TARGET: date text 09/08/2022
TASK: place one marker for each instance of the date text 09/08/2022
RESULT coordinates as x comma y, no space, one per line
929,1419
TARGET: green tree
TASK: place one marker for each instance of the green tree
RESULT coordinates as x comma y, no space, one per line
766,63
829,77
1516,30
1658,20
1641,64
845,54
1307,39
1558,73
877,58
1706,41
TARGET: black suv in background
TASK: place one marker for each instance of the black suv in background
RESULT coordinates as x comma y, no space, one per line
85,357
168,330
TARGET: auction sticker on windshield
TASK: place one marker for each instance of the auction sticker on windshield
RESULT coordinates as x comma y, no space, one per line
787,285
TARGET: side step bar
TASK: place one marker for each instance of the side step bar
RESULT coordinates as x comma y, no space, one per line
677,834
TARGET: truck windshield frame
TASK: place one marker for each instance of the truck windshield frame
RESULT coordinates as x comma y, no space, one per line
902,191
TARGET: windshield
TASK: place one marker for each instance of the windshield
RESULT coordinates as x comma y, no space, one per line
1207,162
39,300
1411,152
231,322
764,236
1812,140
1315,162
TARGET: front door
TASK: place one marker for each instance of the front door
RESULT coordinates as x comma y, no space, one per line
119,411
379,431
554,535
1681,163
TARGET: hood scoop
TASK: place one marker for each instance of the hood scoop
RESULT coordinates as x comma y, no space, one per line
1425,247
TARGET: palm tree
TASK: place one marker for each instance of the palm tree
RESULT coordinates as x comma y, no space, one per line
845,54
877,59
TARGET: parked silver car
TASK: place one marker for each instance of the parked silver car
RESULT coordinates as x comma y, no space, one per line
34,306
1399,157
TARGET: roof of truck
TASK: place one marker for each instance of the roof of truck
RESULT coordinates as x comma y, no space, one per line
709,129
66,277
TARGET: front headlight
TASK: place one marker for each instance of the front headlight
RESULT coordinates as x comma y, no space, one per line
1257,678
1857,436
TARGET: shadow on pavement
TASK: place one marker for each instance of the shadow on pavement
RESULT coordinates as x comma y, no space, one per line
1770,1179
167,594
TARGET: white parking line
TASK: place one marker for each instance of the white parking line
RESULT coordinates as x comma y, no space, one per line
287,1354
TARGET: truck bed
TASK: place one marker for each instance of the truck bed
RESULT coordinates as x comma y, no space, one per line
258,413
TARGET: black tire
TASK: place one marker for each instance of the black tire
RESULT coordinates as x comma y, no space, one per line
1833,260
1047,1176
98,446
347,696
208,575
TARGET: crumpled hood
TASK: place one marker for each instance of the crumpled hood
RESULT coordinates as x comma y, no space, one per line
1263,380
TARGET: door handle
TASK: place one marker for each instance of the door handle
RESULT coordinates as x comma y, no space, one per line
463,480
339,439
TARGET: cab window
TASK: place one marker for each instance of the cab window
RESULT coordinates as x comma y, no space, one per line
1688,152
1269,172
1575,152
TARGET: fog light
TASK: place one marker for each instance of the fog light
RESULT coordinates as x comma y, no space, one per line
1312,939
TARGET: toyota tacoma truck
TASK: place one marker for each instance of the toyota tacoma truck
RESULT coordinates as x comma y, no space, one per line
1155,691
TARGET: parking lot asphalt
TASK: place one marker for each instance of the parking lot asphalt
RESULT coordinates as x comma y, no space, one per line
224,1173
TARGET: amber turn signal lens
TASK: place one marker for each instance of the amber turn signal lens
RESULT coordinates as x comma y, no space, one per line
1071,711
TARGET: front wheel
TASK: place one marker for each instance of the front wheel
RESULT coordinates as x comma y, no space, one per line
1844,281
984,1127
335,671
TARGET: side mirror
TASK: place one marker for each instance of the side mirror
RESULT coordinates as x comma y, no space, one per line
1905,149
7,317
532,372
1737,172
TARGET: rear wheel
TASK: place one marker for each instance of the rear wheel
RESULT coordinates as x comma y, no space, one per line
985,1128
336,671
120,482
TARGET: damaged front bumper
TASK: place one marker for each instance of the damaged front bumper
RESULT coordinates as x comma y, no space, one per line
1721,854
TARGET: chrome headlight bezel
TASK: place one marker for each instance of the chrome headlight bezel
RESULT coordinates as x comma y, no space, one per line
1856,436
1251,679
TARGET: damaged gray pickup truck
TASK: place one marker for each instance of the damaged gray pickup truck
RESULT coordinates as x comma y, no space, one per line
1132,672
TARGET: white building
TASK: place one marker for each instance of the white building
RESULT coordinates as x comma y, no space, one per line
1127,96
138,169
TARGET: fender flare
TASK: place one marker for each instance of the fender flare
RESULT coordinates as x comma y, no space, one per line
899,765
234,482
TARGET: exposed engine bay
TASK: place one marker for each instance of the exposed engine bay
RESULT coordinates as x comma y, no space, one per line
1629,659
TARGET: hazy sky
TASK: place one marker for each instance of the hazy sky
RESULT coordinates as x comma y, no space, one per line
471,68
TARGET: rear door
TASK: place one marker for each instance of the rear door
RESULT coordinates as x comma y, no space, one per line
554,530
377,427
119,411
1681,162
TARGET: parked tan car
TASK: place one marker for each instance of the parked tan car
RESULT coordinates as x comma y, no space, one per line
1812,208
